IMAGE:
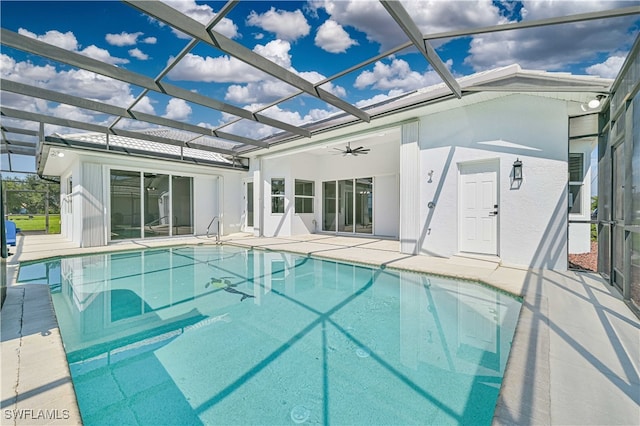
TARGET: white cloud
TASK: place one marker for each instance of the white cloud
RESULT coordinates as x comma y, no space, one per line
144,105
259,131
285,25
332,37
70,112
226,69
276,51
150,40
430,16
397,76
438,16
609,68
66,40
138,54
74,82
203,14
314,77
552,47
123,39
102,55
264,91
379,98
222,69
368,17
24,72
251,85
177,109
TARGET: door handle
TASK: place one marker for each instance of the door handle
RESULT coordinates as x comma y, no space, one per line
494,213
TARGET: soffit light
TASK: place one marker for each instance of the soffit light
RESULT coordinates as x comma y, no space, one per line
593,103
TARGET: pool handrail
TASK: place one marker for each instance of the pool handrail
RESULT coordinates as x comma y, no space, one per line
217,230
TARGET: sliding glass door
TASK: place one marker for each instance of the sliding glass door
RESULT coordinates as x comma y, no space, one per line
348,206
146,205
125,204
182,205
345,205
329,206
157,211
364,206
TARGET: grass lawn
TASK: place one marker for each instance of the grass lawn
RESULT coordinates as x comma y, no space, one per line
36,223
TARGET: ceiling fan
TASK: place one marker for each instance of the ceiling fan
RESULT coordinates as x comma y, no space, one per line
352,151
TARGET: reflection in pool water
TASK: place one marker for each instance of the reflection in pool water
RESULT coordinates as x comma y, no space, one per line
219,335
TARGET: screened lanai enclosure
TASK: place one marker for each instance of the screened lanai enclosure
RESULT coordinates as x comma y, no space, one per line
240,112
619,183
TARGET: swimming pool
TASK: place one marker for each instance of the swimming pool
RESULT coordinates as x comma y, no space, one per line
226,335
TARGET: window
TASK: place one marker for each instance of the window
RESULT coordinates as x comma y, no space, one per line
576,178
277,195
304,196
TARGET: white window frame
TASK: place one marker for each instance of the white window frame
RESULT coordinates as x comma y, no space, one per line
279,195
580,184
312,196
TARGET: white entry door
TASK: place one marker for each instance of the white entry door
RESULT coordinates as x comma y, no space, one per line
478,191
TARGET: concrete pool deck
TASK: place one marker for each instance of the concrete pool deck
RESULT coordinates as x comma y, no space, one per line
575,357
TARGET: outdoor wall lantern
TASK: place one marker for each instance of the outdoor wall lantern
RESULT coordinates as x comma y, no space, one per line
517,170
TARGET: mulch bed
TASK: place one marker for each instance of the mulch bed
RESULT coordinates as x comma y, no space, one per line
585,261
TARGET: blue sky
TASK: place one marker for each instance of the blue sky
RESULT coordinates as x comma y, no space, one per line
314,39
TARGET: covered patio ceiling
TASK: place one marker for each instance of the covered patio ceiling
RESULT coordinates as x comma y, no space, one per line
38,111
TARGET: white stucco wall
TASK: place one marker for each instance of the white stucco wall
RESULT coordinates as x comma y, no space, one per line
76,201
532,220
382,164
207,204
215,191
66,206
275,224
385,201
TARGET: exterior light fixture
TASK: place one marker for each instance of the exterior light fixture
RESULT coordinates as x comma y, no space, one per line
593,103
58,154
517,170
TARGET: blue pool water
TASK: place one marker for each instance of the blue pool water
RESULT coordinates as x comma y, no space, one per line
224,335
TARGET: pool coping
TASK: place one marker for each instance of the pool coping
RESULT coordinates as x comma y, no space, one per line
525,393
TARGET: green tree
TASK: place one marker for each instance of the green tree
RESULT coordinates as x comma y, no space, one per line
28,195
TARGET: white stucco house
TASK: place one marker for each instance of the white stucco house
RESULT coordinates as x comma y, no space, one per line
500,172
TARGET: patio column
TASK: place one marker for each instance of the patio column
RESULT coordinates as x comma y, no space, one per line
258,200
92,207
410,188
